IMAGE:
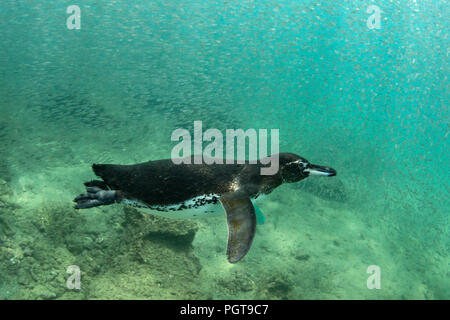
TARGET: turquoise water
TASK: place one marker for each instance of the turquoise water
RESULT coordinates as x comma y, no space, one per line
371,103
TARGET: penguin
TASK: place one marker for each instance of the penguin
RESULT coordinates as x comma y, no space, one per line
192,190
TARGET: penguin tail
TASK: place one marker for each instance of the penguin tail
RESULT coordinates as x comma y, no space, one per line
98,192
99,169
105,170
97,183
109,174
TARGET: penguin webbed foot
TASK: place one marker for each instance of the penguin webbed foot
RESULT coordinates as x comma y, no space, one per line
94,197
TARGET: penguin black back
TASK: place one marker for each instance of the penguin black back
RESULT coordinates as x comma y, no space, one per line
163,182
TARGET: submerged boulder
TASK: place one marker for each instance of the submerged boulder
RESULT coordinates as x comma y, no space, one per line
153,258
175,233
5,210
161,241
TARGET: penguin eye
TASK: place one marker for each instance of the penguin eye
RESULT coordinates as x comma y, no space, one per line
301,164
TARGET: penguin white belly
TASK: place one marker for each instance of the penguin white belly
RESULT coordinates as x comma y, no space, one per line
198,207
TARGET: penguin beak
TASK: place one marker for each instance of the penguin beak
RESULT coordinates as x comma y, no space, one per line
315,170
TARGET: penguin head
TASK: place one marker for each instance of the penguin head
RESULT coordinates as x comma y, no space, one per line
294,168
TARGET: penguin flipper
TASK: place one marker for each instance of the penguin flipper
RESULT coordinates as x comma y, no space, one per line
260,219
241,221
